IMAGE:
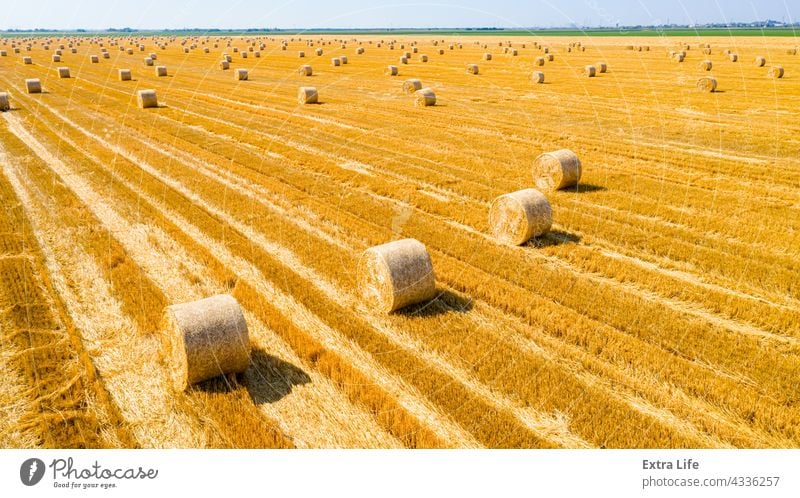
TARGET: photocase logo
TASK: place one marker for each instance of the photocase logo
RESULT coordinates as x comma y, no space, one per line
31,471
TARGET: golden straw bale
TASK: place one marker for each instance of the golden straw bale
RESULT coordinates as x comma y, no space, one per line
63,72
411,85
146,99
602,67
733,57
472,69
148,61
397,274
539,61
336,62
590,71
760,61
56,58
706,65
556,170
391,70
5,104
27,60
424,97
307,95
775,72
223,64
517,217
204,339
125,75
537,77
161,70
707,84
305,70
242,74
487,56
33,85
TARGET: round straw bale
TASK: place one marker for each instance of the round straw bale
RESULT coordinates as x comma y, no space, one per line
472,69
441,51
537,77
423,58
153,56
360,50
733,57
56,58
706,65
3,53
679,57
244,55
223,64
125,75
539,61
602,67
148,61
792,51
27,60
551,57
707,84
94,59
517,217
305,70
336,62
5,104
147,99
106,55
242,74
129,51
407,55
590,71
776,72
301,54
204,339
487,56
206,50
319,51
161,70
556,170
63,72
411,85
760,61
33,85
257,54
343,59
424,97
404,60
307,95
707,51
395,275
227,58
391,70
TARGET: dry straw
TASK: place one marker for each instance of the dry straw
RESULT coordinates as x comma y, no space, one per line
706,65
147,98
602,67
307,95
224,65
242,74
707,84
537,77
423,58
148,61
125,75
33,85
404,60
27,60
343,58
394,275
360,50
5,104
517,217
539,61
336,62
487,56
760,61
305,70
391,70
424,97
56,58
204,339
679,57
319,51
590,71
161,70
776,72
550,57
411,85
556,170
63,72
472,69
733,57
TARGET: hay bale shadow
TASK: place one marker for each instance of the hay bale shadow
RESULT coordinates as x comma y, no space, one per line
445,302
269,379
585,188
554,238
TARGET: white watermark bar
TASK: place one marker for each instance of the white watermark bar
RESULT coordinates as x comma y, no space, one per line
398,473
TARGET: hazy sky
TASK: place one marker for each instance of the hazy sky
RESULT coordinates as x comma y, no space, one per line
100,14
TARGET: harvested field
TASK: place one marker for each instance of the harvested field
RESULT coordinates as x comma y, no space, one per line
661,309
